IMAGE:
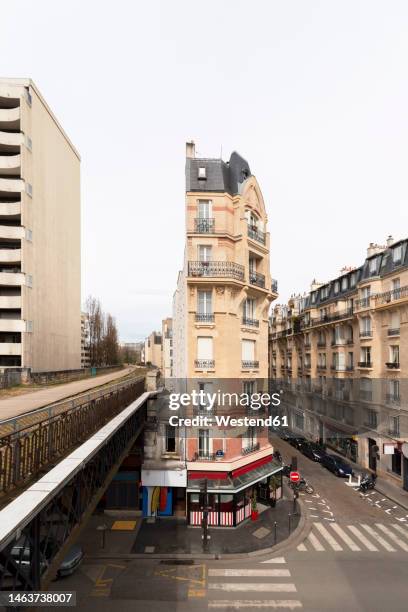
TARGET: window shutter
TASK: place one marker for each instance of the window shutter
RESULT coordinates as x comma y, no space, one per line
248,350
204,348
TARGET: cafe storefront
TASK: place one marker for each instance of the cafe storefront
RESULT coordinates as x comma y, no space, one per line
230,493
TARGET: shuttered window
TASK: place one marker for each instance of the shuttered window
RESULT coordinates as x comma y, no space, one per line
248,350
204,348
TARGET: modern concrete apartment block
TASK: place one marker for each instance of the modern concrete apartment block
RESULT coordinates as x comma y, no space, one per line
40,274
85,340
225,289
342,352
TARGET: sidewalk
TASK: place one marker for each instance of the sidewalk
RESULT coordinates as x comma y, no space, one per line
15,406
171,536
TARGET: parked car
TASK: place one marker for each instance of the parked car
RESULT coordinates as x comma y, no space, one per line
297,441
336,465
21,555
313,451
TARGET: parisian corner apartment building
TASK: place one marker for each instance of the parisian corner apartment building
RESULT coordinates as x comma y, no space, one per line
220,341
40,316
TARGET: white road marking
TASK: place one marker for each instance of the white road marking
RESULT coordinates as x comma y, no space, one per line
308,501
328,537
281,573
392,536
315,542
345,537
402,519
270,604
310,508
301,547
275,560
314,516
378,538
271,587
326,518
362,538
401,530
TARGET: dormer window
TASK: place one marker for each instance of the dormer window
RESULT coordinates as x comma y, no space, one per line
373,265
397,255
202,173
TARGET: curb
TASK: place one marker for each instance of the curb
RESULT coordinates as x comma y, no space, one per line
293,540
391,498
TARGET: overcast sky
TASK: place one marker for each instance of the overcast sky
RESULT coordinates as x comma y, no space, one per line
313,94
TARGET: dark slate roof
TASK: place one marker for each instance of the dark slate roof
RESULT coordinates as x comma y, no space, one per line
384,265
220,175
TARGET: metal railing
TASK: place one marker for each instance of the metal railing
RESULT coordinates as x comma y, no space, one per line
204,226
25,452
227,269
366,333
274,285
250,322
255,278
204,317
251,448
393,365
204,364
390,296
392,398
362,302
365,364
256,234
394,331
250,364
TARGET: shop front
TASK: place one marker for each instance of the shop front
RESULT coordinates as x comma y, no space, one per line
230,494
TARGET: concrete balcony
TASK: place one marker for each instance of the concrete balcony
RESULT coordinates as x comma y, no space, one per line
10,165
10,301
10,209
10,255
8,185
10,348
12,231
10,118
12,325
11,141
12,278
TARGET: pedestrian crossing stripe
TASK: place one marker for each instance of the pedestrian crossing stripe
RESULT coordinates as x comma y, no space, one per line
254,604
355,538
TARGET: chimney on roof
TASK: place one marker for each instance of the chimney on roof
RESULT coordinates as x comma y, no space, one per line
390,240
190,149
374,248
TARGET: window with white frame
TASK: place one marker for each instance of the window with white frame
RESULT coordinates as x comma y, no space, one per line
372,265
397,254
394,354
204,442
204,302
204,348
204,209
249,308
365,354
344,283
204,252
365,326
202,172
248,350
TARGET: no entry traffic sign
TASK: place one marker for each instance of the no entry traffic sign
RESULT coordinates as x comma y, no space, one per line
294,476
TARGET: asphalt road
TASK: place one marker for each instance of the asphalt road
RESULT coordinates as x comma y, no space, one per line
353,557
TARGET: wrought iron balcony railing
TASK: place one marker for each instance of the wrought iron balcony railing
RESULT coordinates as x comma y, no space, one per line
250,322
362,302
366,333
256,279
204,364
248,365
365,364
274,285
204,226
394,331
392,398
393,365
227,269
204,317
251,448
321,344
391,296
203,456
256,234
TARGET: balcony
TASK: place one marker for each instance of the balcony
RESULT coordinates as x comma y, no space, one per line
10,165
11,185
204,226
393,365
391,296
203,456
366,395
394,331
392,398
216,269
250,365
10,255
204,364
12,325
255,234
362,303
321,344
10,209
366,333
322,367
338,368
257,279
204,317
10,118
274,285
350,368
12,278
329,318
250,322
10,301
365,364
10,348
10,142
251,448
12,231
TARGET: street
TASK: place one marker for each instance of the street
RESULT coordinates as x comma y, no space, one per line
353,555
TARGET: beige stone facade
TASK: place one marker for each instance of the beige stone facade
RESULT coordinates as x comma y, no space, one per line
225,289
40,277
167,348
153,349
342,353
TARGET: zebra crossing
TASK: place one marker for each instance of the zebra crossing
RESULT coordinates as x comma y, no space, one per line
264,588
378,537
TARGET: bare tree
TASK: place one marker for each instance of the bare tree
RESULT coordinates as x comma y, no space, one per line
103,335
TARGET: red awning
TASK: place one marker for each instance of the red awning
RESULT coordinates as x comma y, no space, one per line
251,466
208,475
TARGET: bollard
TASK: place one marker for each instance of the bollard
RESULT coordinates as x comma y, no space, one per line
289,522
275,525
